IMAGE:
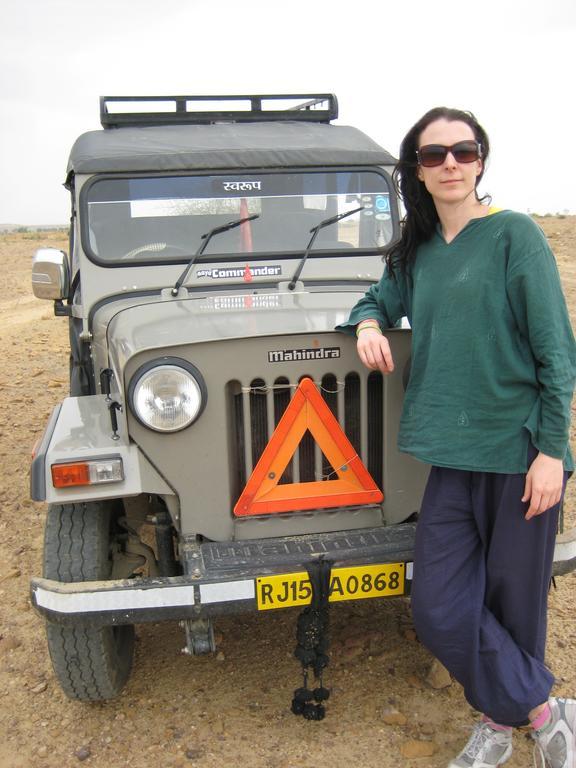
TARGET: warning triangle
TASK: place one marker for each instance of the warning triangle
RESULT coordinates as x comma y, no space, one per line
307,411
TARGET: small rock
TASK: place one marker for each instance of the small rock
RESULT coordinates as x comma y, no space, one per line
375,645
414,681
218,728
438,676
193,753
354,641
414,748
392,716
83,753
410,635
351,653
220,656
40,687
9,644
13,573
42,751
427,729
561,644
336,648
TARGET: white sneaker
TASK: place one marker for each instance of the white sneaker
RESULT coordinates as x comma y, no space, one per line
486,748
557,742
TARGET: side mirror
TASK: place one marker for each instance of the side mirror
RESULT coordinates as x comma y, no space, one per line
50,274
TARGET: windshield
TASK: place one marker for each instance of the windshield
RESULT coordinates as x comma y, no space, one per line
162,219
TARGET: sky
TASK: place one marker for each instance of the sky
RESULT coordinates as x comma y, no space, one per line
511,62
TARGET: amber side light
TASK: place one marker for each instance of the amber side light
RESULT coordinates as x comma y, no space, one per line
66,475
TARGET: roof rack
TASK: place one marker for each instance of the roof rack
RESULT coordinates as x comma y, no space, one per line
122,111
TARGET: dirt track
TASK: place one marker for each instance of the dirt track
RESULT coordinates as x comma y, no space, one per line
232,708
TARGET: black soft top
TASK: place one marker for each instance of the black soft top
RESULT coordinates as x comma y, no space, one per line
223,146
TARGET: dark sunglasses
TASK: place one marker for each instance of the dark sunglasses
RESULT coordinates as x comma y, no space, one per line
432,155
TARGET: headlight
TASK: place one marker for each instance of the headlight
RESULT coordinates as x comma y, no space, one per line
167,395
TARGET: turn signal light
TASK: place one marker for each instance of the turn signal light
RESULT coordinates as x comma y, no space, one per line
87,473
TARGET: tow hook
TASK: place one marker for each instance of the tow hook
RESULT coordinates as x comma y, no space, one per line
199,637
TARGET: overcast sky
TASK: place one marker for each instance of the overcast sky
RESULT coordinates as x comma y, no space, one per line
512,62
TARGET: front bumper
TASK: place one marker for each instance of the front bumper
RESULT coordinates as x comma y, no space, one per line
221,576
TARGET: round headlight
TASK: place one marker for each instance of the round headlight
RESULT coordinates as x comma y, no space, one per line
167,396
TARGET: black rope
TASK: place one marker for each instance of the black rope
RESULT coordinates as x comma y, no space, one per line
313,642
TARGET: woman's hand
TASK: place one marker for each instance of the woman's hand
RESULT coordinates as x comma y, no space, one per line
374,350
544,483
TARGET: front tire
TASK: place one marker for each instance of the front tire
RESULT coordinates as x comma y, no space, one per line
90,663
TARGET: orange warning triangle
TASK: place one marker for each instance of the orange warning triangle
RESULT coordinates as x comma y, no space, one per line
307,411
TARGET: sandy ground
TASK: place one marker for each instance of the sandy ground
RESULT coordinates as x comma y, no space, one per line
232,708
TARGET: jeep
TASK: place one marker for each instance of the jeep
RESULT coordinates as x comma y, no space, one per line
220,439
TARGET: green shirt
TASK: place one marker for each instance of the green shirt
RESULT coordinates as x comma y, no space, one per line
493,353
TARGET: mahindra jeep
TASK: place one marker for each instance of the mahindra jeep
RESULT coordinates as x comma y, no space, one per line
220,437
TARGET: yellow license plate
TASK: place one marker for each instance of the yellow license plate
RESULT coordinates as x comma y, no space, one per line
355,583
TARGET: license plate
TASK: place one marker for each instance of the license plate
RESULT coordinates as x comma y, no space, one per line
354,583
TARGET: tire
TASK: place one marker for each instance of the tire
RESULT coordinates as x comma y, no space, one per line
90,663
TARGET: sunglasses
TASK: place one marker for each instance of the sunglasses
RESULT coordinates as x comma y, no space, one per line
432,155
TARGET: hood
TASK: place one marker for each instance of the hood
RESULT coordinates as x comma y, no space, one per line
162,325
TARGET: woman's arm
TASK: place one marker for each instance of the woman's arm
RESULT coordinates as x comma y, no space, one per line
544,483
538,304
373,347
385,302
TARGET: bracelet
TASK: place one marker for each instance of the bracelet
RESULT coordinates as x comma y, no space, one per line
368,321
368,327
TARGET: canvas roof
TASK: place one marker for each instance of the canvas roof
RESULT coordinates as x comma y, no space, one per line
223,146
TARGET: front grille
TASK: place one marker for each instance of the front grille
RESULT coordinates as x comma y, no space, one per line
256,407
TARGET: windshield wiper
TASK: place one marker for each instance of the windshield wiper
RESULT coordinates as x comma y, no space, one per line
314,231
206,239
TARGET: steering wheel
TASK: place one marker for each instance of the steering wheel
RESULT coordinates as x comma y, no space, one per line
153,248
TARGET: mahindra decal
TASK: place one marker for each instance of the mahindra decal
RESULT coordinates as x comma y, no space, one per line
290,355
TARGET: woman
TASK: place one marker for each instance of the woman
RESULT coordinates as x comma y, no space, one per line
488,406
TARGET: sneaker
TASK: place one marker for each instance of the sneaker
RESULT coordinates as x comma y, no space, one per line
486,748
557,741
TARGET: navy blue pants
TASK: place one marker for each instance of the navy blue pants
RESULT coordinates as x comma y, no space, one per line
480,589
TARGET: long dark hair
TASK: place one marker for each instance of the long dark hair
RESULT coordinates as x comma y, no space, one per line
421,216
